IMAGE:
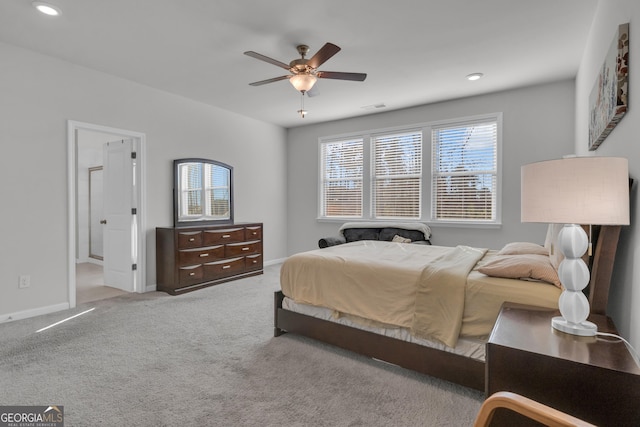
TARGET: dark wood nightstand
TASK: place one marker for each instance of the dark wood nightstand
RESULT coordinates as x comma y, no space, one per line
592,378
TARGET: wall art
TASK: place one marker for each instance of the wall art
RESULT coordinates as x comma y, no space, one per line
609,96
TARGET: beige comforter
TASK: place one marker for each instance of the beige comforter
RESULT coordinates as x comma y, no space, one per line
432,290
440,290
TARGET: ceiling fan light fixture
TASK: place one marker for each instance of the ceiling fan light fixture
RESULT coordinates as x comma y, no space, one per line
47,8
303,82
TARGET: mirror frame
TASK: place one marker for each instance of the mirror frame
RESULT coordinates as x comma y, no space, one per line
176,199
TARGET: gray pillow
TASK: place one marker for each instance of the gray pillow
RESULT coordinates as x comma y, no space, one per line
388,233
355,234
330,241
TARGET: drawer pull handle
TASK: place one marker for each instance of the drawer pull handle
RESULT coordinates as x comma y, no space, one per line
192,239
254,233
226,266
255,262
245,249
192,274
226,236
203,255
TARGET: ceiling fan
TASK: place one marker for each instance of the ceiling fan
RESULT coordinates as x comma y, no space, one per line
304,72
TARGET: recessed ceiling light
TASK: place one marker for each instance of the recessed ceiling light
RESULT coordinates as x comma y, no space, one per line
46,8
474,76
374,106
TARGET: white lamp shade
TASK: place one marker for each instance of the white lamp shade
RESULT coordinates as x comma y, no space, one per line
303,82
576,190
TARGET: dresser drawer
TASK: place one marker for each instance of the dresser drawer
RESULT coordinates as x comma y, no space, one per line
253,233
227,235
242,249
200,255
227,267
253,262
190,275
189,239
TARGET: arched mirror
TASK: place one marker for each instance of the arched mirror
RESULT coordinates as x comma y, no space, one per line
202,192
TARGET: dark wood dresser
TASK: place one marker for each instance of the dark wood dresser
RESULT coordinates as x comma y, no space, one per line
196,257
595,379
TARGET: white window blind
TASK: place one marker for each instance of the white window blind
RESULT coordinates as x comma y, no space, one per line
397,175
464,172
192,203
218,191
342,172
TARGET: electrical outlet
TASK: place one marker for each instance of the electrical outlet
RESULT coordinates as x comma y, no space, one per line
24,281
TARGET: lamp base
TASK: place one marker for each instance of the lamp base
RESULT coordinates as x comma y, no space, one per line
584,328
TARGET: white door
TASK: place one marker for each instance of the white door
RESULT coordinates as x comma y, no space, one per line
120,229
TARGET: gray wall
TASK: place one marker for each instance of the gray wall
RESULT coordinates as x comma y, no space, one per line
537,125
624,141
39,95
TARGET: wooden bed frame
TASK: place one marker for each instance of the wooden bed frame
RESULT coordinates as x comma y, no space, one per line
438,363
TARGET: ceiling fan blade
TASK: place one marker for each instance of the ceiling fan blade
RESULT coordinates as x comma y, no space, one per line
358,77
264,82
267,59
312,92
321,56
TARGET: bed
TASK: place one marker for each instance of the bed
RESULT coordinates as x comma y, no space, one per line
338,295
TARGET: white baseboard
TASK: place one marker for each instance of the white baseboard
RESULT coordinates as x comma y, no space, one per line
19,315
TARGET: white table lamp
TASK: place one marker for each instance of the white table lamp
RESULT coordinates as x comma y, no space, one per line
575,191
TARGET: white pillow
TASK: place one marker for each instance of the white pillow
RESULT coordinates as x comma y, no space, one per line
551,243
400,239
521,248
530,266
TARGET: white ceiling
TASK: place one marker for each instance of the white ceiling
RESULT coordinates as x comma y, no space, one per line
414,51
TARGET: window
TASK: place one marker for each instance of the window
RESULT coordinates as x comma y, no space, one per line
465,172
397,175
441,172
217,190
191,193
341,182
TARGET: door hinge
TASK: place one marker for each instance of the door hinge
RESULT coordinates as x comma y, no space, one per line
134,211
133,154
134,267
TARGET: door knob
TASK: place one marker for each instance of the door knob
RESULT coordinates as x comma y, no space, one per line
103,221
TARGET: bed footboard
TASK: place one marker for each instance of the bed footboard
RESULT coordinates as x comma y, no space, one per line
441,364
278,296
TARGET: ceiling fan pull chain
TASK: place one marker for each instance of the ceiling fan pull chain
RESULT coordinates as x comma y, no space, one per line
302,111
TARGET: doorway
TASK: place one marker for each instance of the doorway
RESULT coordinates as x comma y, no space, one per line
86,144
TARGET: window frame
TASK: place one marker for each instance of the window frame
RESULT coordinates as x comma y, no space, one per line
470,121
426,184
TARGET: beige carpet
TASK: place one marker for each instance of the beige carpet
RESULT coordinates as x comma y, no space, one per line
90,284
209,358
